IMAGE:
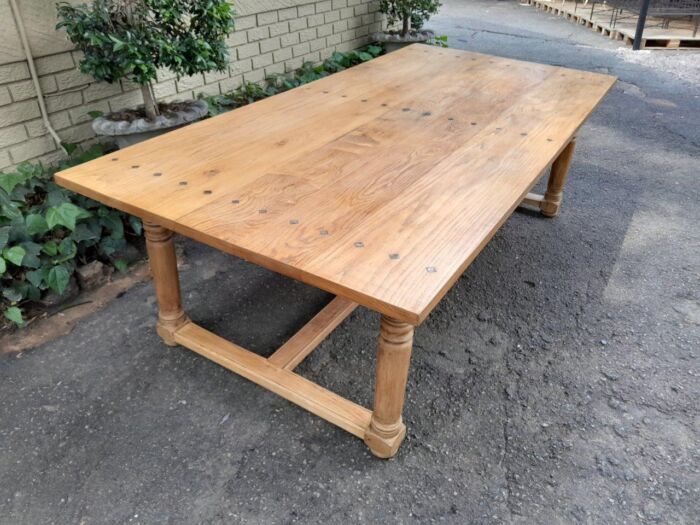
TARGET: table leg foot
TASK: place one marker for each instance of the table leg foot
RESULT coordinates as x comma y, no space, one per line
386,430
384,443
166,330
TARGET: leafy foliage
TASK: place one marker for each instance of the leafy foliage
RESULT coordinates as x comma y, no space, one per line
133,38
46,231
410,13
250,92
439,41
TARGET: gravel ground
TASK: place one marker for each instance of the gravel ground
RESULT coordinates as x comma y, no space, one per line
556,383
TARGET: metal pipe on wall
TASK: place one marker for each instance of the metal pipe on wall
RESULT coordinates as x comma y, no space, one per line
19,23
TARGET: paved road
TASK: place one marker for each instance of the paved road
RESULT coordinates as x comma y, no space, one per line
556,383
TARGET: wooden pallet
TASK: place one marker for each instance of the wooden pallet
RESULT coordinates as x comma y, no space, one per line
599,21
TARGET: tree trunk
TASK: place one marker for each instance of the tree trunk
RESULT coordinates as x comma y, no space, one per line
149,102
406,24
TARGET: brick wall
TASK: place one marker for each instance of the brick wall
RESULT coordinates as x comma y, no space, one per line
276,36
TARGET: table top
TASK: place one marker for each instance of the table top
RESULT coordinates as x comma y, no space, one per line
380,183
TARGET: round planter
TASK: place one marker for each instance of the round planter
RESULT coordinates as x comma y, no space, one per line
394,41
126,133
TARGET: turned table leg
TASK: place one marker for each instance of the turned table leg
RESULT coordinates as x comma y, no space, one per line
161,253
386,430
549,207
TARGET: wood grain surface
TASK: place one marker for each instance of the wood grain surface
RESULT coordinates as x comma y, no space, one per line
379,184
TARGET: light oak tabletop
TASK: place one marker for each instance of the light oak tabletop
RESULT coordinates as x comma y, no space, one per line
379,184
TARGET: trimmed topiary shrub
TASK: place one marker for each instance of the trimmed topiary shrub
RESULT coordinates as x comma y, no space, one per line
132,39
411,14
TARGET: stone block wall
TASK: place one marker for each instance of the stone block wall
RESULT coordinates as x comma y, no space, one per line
271,36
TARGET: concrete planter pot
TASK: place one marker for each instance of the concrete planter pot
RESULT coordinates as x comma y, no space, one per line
128,132
393,41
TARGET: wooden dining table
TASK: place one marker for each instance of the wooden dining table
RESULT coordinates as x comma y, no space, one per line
379,184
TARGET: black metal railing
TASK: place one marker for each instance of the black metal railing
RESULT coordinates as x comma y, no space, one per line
641,9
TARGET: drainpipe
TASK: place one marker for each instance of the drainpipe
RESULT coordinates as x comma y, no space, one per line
35,78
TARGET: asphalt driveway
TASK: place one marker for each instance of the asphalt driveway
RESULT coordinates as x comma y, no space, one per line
558,382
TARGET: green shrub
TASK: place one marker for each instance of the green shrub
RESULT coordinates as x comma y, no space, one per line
134,38
47,231
410,13
250,92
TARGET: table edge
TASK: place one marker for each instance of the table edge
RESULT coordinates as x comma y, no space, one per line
400,314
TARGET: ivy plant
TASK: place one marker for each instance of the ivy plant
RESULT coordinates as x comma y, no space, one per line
47,231
250,92
411,14
132,39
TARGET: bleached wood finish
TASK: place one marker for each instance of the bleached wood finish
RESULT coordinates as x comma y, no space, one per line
533,199
386,430
161,254
557,178
310,396
550,202
379,184
305,341
273,373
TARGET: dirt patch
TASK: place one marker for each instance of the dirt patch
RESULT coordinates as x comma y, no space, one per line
50,326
